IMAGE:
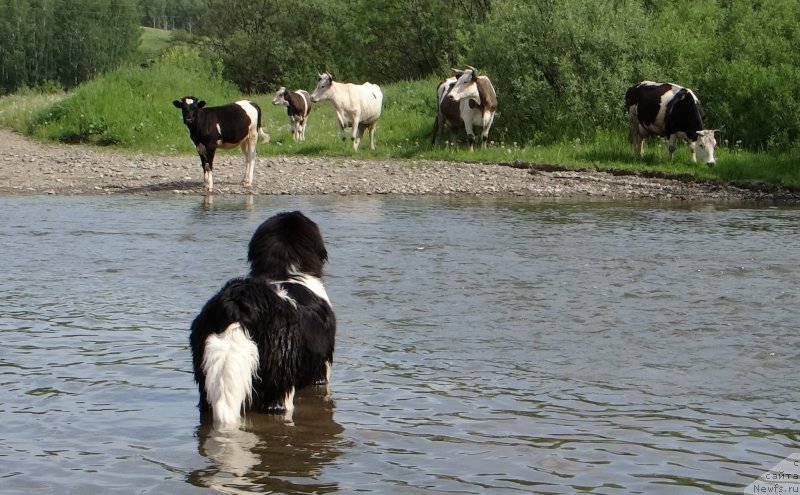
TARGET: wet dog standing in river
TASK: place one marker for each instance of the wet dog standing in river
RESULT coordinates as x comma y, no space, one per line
266,335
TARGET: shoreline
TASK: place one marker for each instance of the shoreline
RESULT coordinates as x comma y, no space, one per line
28,167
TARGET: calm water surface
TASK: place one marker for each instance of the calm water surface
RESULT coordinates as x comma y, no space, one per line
503,347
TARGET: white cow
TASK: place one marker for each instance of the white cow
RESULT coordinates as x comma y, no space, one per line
481,102
357,106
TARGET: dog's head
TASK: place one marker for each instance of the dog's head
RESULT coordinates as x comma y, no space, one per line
287,243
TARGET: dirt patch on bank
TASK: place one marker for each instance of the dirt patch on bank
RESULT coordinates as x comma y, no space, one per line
31,167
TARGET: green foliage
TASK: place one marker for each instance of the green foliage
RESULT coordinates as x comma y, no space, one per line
560,67
275,43
168,14
152,43
564,65
132,107
392,41
68,41
18,110
570,62
751,88
267,45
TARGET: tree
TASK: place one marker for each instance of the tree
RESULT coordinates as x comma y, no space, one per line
168,14
67,41
267,44
407,40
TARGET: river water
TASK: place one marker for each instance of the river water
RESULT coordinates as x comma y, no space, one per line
483,346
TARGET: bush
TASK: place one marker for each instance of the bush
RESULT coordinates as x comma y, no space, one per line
570,64
561,67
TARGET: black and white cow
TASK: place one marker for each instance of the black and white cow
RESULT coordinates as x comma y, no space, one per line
226,126
672,111
298,106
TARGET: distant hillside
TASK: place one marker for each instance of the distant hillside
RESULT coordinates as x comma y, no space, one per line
153,43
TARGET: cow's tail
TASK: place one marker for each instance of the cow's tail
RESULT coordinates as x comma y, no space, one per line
433,131
230,364
262,134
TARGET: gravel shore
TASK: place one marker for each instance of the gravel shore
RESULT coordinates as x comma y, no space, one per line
30,167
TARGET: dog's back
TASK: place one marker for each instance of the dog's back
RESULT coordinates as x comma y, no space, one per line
262,337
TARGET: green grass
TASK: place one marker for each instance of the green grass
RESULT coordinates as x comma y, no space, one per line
153,43
403,130
131,109
18,110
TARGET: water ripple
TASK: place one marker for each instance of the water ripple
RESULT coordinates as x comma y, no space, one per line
501,347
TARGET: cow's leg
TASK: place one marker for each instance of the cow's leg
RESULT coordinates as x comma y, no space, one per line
358,129
637,142
249,150
488,118
438,128
692,147
372,128
207,162
341,126
470,135
298,129
469,127
635,135
302,125
671,145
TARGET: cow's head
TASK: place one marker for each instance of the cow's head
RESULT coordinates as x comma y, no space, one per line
705,146
280,97
324,87
465,87
189,105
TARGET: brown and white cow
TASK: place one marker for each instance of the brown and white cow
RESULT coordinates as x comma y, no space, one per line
298,106
448,112
358,106
226,126
477,103
666,109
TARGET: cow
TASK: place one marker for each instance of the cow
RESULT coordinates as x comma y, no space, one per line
477,103
672,111
448,113
226,126
298,106
357,106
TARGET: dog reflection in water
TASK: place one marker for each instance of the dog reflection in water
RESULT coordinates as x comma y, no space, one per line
267,455
264,336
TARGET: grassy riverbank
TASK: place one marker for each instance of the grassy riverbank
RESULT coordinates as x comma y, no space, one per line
131,109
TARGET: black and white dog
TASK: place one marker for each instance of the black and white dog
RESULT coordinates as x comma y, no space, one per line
263,336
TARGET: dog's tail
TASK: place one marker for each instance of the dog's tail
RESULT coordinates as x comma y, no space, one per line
230,364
